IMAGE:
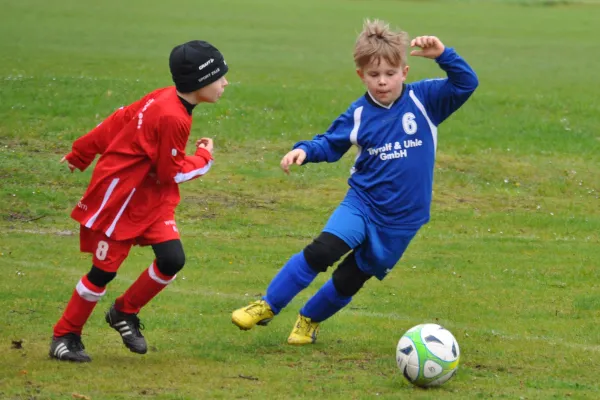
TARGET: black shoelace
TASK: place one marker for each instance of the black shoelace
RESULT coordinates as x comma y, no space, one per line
137,324
74,342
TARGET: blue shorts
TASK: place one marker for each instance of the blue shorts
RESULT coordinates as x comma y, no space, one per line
377,249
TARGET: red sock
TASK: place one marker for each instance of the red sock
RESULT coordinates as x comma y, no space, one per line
148,285
80,307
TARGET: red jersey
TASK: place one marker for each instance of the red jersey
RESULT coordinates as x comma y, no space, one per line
135,181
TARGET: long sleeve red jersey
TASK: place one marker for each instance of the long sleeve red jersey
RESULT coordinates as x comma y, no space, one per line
135,181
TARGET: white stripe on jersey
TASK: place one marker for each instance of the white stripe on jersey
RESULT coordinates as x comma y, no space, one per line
111,228
181,177
431,124
354,135
107,195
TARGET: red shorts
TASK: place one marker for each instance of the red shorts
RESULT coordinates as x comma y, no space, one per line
109,254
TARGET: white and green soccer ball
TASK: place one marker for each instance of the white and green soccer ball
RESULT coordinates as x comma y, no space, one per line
427,355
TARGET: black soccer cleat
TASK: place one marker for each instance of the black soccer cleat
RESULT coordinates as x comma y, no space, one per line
128,326
68,348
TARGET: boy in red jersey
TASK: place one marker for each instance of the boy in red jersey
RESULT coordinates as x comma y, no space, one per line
133,193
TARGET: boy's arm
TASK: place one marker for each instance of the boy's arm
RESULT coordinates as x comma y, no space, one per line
444,96
334,143
172,164
194,166
85,149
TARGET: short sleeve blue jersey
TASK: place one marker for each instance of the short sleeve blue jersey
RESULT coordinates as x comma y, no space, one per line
392,177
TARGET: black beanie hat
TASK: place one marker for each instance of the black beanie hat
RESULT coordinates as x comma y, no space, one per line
196,64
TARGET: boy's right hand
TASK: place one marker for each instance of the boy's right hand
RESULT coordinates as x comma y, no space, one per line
296,156
71,166
431,47
205,143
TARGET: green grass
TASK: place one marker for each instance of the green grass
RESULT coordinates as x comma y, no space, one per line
509,262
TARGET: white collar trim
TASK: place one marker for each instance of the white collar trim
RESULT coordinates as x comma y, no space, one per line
378,103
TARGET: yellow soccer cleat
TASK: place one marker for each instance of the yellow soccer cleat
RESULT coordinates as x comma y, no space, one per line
256,313
305,331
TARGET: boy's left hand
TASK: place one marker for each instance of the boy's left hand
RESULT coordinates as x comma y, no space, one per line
71,166
431,47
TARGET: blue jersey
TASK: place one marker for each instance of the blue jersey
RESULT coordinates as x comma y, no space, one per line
392,177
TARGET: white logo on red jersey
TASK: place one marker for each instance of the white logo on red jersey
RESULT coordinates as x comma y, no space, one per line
141,114
172,223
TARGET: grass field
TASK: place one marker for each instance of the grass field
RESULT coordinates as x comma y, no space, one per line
509,262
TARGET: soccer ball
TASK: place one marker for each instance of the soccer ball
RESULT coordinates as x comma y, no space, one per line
427,355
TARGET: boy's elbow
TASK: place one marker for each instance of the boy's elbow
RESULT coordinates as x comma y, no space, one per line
332,156
467,88
474,82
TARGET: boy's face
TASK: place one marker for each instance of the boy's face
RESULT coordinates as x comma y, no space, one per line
383,81
211,93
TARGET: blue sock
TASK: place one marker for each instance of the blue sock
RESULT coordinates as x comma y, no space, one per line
295,275
326,302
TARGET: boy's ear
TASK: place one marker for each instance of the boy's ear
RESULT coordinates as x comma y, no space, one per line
360,73
405,72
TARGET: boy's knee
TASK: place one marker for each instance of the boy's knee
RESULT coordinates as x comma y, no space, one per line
324,251
100,277
171,264
170,257
347,278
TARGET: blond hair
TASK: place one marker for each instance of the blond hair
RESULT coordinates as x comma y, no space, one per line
377,41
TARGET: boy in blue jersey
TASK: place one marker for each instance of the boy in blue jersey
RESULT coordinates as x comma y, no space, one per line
394,126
